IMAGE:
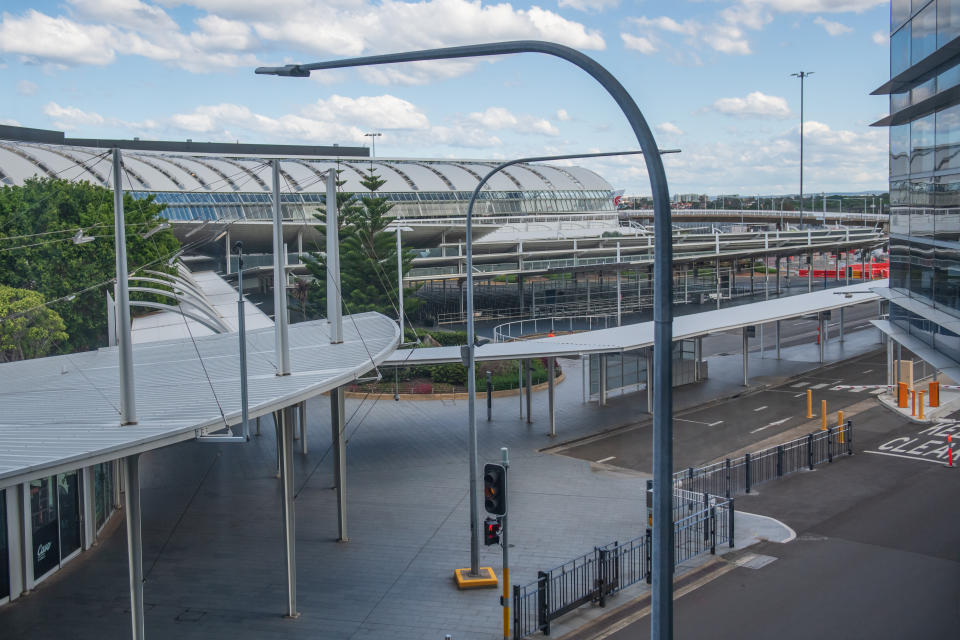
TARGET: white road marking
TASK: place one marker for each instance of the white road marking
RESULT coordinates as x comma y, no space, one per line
799,395
761,408
794,324
607,459
772,424
820,386
897,455
877,392
708,424
799,384
867,371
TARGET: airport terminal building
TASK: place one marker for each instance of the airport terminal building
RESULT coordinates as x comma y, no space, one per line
924,123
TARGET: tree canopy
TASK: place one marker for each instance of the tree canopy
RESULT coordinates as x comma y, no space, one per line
27,329
37,224
368,257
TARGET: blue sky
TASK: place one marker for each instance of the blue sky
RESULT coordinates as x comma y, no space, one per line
711,76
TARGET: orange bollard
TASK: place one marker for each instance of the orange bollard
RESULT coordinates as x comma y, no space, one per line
902,395
823,415
921,405
934,394
840,426
913,402
809,404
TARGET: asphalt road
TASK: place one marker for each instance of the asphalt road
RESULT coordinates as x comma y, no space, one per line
877,553
714,430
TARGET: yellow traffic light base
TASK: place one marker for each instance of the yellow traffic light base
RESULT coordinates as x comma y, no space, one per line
485,579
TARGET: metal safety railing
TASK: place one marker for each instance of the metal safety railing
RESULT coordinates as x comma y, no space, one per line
736,476
703,518
704,523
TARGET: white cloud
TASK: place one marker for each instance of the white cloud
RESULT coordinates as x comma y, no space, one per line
26,88
833,28
638,43
501,118
129,14
756,104
12,123
68,118
382,112
588,5
669,128
562,115
817,6
36,36
879,37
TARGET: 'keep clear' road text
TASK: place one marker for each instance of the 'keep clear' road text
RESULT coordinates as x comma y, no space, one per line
928,444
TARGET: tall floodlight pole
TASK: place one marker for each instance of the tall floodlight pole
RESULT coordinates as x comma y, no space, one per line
373,144
662,579
802,75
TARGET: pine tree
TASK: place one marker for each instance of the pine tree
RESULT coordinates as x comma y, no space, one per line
368,256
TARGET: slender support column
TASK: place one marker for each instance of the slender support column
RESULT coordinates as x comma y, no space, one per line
618,286
778,339
603,379
128,402
753,269
585,375
528,382
778,276
289,514
551,376
131,477
16,537
823,336
718,283
279,280
891,379
697,358
810,272
339,460
650,398
279,432
746,357
400,284
226,252
334,294
520,292
302,421
89,521
842,314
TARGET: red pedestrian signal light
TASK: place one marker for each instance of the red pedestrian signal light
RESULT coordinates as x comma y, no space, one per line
495,489
491,531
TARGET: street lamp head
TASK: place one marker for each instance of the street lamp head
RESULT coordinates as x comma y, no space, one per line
290,70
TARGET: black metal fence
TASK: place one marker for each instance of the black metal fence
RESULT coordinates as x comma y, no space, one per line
704,522
737,476
703,515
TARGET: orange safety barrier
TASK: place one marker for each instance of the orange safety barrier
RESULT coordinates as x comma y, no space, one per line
902,395
921,405
934,394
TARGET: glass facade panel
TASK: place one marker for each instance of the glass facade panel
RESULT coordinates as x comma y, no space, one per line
900,50
900,150
102,493
45,524
924,33
946,280
922,137
921,271
948,138
947,222
949,77
899,264
68,495
948,21
923,91
4,548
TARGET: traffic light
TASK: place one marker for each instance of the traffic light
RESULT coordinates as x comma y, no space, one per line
491,531
495,489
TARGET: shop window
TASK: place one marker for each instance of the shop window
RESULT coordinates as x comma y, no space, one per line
45,525
68,499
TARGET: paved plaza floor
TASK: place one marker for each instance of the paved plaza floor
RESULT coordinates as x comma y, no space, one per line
213,553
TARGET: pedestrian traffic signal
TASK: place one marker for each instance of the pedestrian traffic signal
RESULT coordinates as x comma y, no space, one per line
495,489
491,531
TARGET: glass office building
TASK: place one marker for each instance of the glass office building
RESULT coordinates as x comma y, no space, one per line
924,124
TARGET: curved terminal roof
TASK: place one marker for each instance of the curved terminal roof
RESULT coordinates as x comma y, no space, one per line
219,173
61,412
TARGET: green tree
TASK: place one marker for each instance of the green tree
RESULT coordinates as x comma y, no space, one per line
368,257
27,328
37,223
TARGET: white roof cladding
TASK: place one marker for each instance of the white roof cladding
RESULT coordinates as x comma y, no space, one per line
61,412
168,171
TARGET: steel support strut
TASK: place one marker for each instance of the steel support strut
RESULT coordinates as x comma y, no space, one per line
131,480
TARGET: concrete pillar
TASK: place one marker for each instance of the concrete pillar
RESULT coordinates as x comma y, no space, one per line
16,515
551,377
603,379
528,382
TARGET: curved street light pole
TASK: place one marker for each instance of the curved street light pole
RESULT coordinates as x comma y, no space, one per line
662,579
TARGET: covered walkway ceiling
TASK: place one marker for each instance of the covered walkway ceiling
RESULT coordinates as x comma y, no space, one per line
638,336
61,412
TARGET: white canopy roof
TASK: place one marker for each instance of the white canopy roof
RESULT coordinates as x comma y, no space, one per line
637,336
61,412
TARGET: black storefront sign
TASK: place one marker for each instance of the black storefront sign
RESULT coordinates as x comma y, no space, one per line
46,548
